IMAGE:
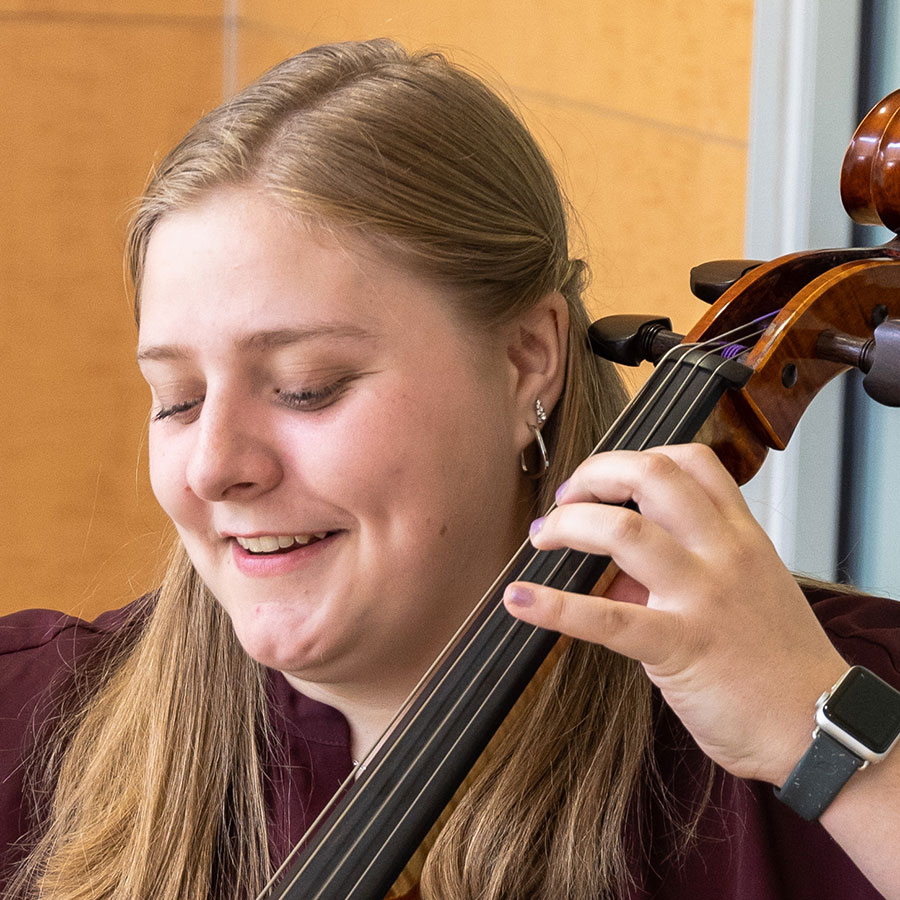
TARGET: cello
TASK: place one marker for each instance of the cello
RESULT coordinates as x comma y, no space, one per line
739,381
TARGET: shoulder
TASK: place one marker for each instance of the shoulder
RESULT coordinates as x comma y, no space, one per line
32,629
40,646
41,652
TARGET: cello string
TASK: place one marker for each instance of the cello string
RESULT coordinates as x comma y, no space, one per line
349,780
411,766
716,344
712,346
366,760
673,400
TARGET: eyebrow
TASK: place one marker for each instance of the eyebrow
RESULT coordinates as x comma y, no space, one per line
262,340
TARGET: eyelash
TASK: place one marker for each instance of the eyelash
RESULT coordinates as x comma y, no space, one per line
308,400
314,398
167,412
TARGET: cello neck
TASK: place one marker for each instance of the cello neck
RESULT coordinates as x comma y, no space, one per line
362,846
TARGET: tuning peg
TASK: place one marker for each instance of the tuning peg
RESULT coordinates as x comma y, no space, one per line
883,380
710,280
878,357
631,339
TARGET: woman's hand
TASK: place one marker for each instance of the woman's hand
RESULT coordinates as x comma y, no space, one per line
702,600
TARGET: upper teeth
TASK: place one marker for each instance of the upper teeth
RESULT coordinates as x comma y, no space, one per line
269,542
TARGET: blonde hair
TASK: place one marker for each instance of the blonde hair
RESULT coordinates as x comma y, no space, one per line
160,782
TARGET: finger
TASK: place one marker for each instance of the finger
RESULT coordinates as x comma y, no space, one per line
639,546
702,464
664,492
637,631
737,526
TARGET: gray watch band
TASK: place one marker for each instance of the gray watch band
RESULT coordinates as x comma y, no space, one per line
816,780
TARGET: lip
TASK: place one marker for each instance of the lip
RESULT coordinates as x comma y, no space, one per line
295,559
255,534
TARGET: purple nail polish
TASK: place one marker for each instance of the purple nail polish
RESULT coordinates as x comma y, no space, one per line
536,526
520,596
561,490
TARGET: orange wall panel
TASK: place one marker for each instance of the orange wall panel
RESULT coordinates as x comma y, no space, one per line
114,9
643,108
687,64
652,202
92,103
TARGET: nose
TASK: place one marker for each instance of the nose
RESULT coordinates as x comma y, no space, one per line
233,456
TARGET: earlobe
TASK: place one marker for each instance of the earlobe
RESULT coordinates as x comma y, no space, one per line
538,351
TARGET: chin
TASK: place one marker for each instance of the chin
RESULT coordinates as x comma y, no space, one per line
269,635
280,640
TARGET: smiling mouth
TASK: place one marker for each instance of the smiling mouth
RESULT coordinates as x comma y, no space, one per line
269,545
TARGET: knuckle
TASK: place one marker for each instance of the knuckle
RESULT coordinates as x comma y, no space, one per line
657,466
586,617
699,459
700,453
611,619
740,556
587,472
625,526
557,608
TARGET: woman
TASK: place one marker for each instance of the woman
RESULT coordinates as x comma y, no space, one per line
357,310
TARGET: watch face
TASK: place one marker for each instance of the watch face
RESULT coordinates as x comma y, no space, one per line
867,708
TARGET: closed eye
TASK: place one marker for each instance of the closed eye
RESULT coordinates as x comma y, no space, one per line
166,412
311,399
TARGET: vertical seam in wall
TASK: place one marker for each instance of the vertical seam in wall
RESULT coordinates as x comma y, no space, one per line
230,12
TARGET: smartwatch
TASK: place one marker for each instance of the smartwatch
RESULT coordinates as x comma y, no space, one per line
857,723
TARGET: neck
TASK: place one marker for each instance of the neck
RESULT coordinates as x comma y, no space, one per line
368,709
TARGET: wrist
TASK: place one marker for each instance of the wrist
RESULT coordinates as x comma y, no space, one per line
856,723
790,734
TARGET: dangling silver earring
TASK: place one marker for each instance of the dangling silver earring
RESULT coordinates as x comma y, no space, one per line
543,461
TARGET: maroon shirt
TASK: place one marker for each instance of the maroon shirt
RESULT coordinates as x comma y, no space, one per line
750,846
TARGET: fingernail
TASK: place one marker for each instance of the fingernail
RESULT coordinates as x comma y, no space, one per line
536,526
520,596
561,490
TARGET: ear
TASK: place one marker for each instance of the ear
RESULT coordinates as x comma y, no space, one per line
537,348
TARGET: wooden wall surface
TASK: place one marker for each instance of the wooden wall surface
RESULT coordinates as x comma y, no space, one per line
90,96
643,106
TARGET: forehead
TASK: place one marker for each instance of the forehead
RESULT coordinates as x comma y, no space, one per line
239,262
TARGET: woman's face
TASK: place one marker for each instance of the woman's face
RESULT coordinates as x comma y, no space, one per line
337,451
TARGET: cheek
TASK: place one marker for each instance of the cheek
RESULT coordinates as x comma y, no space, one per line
352,462
166,476
445,445
378,460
